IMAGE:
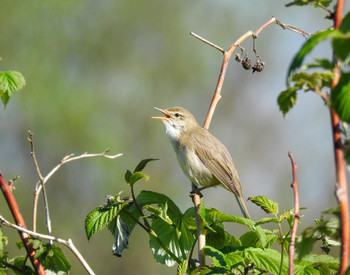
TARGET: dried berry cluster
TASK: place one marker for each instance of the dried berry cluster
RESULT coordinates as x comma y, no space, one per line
247,64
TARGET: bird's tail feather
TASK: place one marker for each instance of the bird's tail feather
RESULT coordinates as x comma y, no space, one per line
241,204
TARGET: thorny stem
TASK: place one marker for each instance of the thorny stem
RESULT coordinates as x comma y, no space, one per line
294,185
67,243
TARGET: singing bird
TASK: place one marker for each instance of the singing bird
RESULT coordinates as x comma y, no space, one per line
202,157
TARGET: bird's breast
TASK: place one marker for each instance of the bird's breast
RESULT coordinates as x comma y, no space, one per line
193,168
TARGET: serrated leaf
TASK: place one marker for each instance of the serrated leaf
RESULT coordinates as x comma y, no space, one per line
54,260
308,46
217,256
340,97
316,3
267,220
268,259
121,235
216,217
287,99
11,81
100,217
143,164
269,206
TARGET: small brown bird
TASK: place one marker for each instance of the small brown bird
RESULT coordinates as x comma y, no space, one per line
202,157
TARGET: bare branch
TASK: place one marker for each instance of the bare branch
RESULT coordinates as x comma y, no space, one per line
68,243
227,56
294,185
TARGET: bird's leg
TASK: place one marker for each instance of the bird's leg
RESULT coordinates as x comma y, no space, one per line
196,191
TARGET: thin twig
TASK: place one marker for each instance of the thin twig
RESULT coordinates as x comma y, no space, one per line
16,213
227,56
294,185
41,178
68,243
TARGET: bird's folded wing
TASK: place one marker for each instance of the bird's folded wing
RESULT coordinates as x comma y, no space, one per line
217,160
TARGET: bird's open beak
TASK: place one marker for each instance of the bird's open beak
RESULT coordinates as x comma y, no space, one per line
167,116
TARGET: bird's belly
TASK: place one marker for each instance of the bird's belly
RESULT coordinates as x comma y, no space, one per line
195,170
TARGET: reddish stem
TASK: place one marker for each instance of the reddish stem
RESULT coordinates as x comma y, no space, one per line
11,201
341,187
294,185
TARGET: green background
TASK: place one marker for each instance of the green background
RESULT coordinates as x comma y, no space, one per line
94,72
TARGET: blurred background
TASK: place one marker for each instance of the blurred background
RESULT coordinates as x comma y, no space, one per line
94,72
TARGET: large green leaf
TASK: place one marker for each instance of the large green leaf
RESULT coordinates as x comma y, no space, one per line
143,164
340,97
265,259
308,46
100,217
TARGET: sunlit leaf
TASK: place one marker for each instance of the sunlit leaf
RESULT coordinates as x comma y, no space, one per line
269,206
308,46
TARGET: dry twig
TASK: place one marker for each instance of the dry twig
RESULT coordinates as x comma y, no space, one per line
67,243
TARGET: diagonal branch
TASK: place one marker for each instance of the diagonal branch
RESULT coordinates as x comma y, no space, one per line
67,243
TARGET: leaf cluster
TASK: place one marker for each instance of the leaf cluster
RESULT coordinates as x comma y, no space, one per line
317,76
50,256
172,234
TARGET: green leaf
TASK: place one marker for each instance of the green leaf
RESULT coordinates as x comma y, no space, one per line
10,82
340,97
315,3
100,217
269,206
136,177
341,46
121,235
250,239
217,256
308,46
267,220
287,99
267,259
214,216
143,164
54,260
127,176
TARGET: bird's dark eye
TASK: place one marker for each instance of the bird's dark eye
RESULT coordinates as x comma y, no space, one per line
177,115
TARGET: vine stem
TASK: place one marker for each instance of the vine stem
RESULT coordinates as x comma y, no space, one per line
68,243
296,219
16,213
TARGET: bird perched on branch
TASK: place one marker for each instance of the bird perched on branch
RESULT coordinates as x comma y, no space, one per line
202,157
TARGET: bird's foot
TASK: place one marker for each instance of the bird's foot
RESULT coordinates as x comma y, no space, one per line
196,191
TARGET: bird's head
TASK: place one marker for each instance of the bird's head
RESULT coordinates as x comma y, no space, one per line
177,120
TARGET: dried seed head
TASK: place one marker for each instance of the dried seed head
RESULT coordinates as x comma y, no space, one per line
238,58
258,67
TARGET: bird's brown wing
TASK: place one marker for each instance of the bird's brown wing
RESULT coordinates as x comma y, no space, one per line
215,157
